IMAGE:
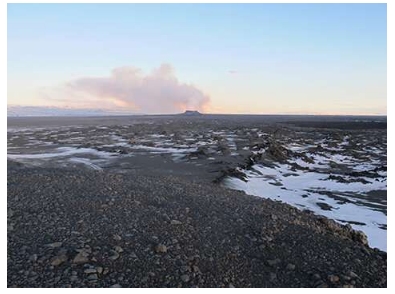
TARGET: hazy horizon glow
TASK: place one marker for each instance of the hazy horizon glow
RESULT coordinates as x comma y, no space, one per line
216,58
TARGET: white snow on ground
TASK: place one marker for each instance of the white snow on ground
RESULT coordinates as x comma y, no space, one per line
303,189
270,183
60,152
158,150
321,161
86,162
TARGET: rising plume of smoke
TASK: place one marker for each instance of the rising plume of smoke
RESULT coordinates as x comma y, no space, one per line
129,88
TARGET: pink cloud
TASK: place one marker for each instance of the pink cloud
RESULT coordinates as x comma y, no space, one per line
127,87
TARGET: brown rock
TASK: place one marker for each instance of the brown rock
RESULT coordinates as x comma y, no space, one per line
58,260
81,257
333,278
161,248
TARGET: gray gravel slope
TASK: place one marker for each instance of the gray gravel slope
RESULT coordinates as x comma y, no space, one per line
96,229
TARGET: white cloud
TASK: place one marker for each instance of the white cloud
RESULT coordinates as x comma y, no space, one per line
129,88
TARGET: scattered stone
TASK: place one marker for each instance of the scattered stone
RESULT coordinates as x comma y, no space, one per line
209,235
316,277
81,257
161,248
55,245
272,277
114,256
196,269
333,278
346,278
175,222
33,258
324,206
90,271
185,278
273,262
106,271
93,277
58,260
290,267
360,237
117,237
118,249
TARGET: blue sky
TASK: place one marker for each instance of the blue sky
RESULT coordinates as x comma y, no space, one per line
247,58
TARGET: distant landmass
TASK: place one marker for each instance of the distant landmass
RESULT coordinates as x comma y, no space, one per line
17,110
191,113
31,111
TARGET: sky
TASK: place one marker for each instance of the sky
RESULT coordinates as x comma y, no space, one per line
216,58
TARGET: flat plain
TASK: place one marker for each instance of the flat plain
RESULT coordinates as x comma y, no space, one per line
200,200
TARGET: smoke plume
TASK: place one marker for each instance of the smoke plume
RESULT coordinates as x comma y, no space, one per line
129,88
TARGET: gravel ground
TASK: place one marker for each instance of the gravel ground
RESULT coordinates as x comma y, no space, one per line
96,229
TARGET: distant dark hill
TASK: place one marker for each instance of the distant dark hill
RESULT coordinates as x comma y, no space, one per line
191,113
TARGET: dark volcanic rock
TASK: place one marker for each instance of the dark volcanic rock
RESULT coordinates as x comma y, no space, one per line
191,113
278,152
225,239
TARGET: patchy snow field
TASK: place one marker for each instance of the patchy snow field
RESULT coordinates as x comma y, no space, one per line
338,173
329,181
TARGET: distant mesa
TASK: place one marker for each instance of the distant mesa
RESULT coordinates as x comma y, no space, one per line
191,113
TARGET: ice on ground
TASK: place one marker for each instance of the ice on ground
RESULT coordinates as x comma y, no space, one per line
306,190
60,152
86,162
164,149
